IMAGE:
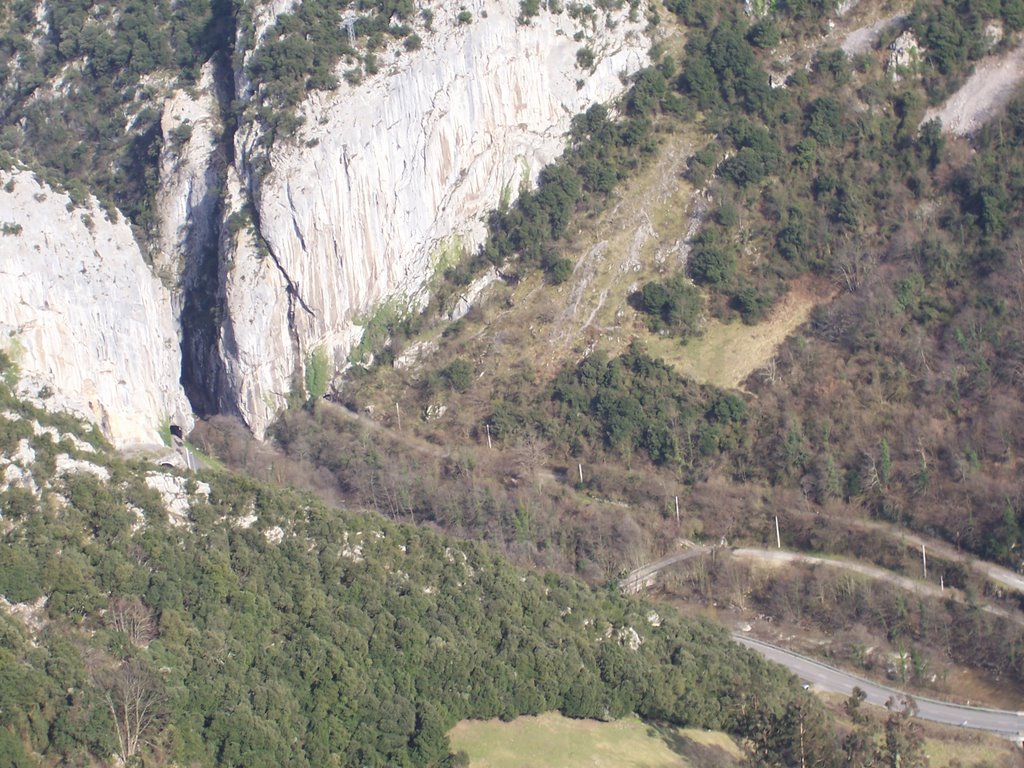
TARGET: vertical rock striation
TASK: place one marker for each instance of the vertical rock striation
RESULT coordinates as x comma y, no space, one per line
357,208
83,315
192,168
261,259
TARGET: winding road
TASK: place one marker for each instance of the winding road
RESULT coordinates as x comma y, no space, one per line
1005,723
1004,577
643,577
825,678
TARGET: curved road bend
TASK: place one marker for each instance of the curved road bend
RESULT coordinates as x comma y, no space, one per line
826,678
1002,576
634,581
642,577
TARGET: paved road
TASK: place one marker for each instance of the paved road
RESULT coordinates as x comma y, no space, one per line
826,678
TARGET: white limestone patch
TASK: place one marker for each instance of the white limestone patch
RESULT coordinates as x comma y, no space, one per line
174,493
985,93
31,614
19,477
17,468
274,535
630,638
625,636
84,316
69,466
352,551
24,455
53,433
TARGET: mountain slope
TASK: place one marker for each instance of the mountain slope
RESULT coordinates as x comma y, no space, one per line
221,622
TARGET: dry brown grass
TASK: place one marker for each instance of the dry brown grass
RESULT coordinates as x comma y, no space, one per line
728,353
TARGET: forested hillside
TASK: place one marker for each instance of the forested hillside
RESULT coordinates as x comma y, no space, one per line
217,620
234,624
81,85
899,401
814,172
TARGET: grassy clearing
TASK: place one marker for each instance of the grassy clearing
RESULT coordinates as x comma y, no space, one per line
949,747
553,741
989,751
728,353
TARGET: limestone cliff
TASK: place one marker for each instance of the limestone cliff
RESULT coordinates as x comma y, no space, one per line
260,259
358,207
83,316
189,202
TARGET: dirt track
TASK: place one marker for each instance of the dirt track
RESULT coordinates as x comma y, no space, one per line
874,572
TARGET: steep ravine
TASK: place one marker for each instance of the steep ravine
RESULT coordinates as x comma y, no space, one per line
381,179
260,258
197,151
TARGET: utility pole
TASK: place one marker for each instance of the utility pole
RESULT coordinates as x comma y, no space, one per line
398,412
924,562
488,428
677,510
581,473
778,536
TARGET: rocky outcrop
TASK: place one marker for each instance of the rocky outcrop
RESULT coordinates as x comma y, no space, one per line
89,326
359,207
904,54
190,173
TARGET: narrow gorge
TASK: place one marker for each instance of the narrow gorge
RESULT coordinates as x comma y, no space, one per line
274,249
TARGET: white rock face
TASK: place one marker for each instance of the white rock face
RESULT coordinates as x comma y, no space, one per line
187,196
82,314
17,469
174,491
359,207
904,53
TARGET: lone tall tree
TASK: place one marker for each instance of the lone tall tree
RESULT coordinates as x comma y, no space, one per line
135,698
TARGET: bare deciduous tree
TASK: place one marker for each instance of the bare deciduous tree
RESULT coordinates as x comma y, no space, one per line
770,372
132,617
136,701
